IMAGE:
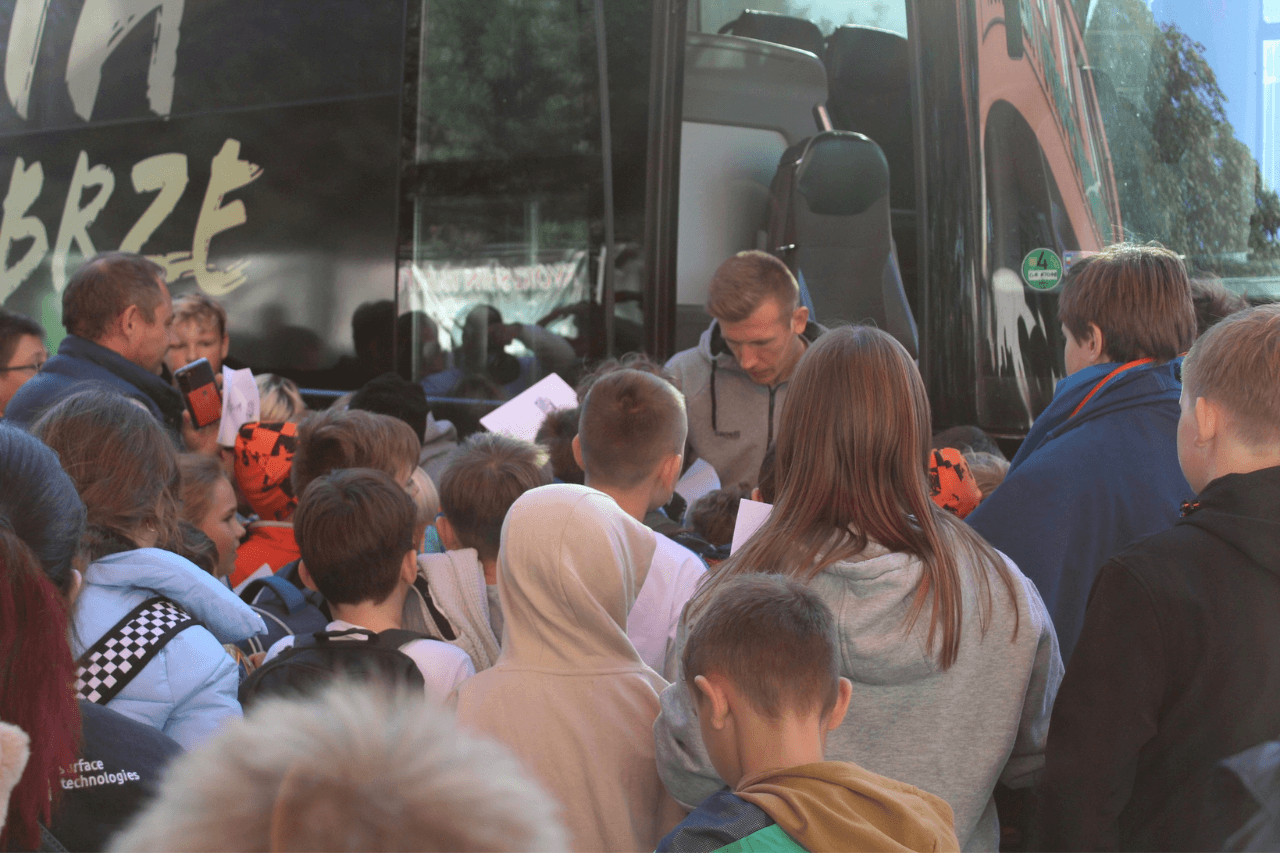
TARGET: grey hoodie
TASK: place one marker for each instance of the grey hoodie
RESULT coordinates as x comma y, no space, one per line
953,733
732,419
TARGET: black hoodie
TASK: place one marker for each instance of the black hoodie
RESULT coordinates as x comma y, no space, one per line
1177,668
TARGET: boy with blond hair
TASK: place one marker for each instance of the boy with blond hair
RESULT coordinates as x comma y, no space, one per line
763,663
1178,663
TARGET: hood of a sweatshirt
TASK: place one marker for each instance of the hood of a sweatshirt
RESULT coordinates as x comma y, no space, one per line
1243,510
836,805
712,348
570,566
179,580
1134,388
873,593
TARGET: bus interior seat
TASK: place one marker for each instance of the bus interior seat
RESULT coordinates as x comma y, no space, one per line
745,102
829,220
800,33
869,79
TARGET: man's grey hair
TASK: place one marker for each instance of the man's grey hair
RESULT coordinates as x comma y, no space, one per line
354,769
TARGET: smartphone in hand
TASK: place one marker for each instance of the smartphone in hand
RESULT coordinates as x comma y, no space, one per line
199,391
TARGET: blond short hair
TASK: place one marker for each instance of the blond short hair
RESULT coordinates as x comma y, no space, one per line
281,400
1236,364
200,309
353,769
741,284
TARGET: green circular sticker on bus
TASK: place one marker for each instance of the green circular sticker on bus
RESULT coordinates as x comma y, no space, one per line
1042,269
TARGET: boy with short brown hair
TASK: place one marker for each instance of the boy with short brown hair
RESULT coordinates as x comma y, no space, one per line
1099,467
762,661
1178,663
455,596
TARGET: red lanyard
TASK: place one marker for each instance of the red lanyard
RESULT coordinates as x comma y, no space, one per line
1121,369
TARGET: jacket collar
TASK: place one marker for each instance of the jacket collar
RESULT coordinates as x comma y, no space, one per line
160,393
718,347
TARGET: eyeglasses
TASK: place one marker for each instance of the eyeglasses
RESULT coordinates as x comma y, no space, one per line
34,368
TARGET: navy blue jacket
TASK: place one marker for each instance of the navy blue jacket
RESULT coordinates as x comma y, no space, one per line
1083,487
81,363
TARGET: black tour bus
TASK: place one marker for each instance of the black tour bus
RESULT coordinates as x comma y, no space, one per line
582,165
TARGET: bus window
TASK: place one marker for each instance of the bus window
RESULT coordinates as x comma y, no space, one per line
758,82
1188,98
503,225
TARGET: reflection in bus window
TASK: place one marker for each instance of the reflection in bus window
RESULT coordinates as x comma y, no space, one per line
1192,139
504,271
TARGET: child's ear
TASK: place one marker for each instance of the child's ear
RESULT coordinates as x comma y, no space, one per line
305,577
669,472
715,702
448,536
409,567
844,693
577,453
1208,420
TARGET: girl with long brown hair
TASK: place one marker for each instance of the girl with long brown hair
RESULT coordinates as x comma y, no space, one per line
125,469
952,655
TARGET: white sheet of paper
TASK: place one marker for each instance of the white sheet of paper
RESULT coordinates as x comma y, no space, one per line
241,403
697,481
521,416
751,514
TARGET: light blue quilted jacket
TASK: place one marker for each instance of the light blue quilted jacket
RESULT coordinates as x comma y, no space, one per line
189,689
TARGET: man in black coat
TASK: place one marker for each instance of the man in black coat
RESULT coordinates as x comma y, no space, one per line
1178,663
117,311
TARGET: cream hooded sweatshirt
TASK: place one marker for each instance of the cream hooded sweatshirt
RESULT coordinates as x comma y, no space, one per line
569,695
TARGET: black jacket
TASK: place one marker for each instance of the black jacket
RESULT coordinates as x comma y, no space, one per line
119,771
1177,668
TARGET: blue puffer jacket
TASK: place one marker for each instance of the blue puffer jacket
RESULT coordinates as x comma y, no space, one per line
189,688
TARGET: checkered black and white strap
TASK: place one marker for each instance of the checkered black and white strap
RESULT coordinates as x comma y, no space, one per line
112,662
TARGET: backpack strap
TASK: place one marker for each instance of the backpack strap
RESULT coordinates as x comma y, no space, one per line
442,622
108,666
290,596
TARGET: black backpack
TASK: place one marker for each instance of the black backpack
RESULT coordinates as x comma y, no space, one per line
287,608
314,661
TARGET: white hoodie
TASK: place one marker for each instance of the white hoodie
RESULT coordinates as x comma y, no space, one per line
569,695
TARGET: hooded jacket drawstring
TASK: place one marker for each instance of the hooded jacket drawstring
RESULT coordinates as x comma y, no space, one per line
714,427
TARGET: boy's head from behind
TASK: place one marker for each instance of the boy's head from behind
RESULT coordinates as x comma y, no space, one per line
1125,303
761,658
354,530
632,432
334,439
481,482
1230,420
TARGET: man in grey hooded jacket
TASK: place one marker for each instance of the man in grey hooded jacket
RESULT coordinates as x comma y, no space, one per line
735,379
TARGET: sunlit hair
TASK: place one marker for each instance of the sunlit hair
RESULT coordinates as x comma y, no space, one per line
774,638
104,287
630,422
335,439
852,455
36,674
281,400
1237,365
122,463
426,497
352,769
199,474
1139,296
482,479
741,284
203,311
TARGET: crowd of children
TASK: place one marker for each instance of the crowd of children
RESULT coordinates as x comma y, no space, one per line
345,629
